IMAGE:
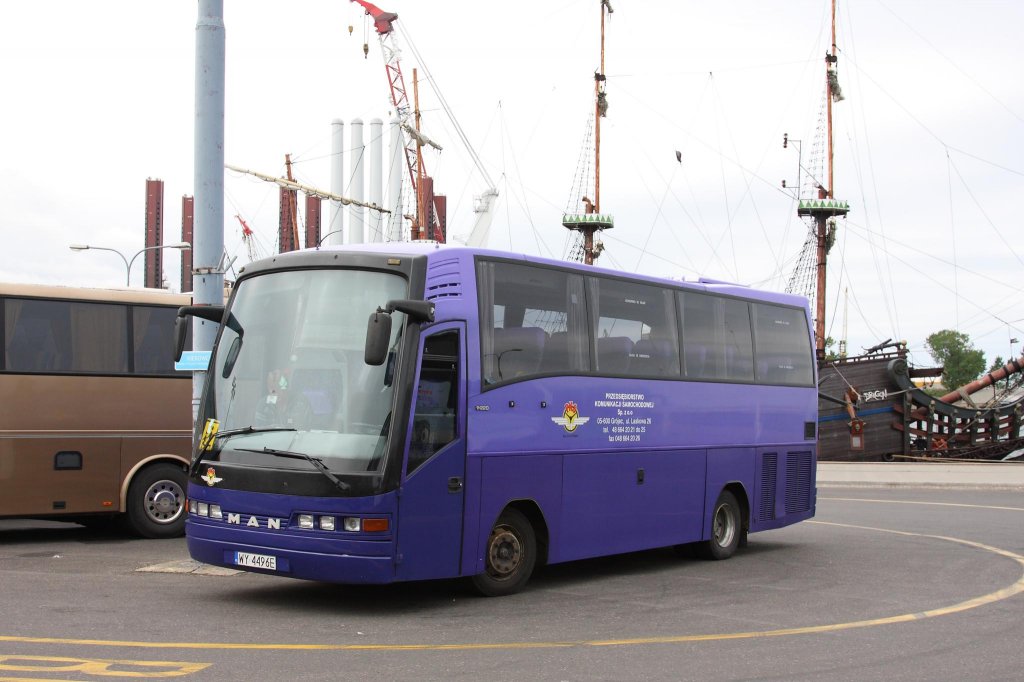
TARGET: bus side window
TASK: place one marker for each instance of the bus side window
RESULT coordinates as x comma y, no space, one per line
433,423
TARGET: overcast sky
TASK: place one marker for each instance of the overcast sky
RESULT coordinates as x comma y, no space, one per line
929,140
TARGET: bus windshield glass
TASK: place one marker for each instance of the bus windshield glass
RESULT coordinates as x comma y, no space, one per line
289,374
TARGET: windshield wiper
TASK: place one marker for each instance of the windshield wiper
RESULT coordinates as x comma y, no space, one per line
315,461
250,429
234,432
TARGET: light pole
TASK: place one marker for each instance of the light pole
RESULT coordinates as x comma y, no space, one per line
319,243
181,246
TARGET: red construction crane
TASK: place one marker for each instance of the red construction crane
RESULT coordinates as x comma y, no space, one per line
427,225
249,237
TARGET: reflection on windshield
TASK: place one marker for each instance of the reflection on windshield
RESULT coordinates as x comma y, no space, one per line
298,382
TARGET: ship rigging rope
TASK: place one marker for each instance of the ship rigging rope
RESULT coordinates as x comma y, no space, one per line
885,278
951,62
952,236
447,109
1006,244
943,285
520,195
928,130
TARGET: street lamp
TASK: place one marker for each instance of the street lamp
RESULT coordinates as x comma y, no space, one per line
181,246
324,238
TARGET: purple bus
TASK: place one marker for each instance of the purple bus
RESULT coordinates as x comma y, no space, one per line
401,412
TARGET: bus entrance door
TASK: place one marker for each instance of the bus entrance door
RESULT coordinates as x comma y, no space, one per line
430,507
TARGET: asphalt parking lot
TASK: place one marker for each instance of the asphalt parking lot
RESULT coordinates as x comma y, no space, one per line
885,583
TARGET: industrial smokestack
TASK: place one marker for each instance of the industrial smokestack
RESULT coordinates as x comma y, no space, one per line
333,233
356,213
376,179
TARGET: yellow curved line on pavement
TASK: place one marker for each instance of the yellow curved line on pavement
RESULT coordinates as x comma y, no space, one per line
1015,588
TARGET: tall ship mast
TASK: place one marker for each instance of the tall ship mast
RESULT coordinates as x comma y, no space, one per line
591,221
823,209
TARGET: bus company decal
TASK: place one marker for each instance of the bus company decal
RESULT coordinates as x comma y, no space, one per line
570,418
628,417
211,477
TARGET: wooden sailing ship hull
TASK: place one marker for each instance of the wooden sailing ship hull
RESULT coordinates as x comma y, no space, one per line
886,417
876,408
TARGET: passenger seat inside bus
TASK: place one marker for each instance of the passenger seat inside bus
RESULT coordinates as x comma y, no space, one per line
518,351
613,354
775,370
653,358
556,353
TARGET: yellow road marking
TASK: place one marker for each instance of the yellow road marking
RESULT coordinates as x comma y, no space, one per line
97,666
1015,588
37,679
932,504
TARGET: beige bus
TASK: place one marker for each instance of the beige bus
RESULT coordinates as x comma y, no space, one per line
94,420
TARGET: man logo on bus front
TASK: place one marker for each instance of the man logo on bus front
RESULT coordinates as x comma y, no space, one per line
570,418
211,477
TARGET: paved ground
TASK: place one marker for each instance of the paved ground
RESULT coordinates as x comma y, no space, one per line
991,475
886,583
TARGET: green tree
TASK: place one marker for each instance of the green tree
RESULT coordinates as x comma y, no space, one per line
961,362
831,353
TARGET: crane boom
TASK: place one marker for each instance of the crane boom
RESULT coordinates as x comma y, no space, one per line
414,139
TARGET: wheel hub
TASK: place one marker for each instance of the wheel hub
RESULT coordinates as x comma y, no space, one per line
505,552
163,502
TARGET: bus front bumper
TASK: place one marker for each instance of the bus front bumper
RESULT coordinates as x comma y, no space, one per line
292,555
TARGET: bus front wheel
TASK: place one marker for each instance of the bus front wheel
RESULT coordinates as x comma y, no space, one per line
509,557
156,501
726,528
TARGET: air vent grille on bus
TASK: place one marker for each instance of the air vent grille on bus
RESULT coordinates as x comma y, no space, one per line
798,482
769,466
443,280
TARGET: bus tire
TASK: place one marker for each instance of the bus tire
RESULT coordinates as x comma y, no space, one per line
156,501
509,556
726,528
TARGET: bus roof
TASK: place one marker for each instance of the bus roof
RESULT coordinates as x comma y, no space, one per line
120,295
432,249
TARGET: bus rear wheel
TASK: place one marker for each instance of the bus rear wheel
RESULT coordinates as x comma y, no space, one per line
509,557
726,528
156,501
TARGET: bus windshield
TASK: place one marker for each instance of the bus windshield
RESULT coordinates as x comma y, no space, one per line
289,376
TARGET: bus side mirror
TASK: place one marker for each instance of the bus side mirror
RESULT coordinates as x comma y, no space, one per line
180,332
378,334
213,313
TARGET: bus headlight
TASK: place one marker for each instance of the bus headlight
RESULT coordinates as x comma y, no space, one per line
306,521
204,509
193,507
326,523
215,512
352,523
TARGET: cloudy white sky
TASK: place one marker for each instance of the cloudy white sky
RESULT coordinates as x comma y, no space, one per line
929,141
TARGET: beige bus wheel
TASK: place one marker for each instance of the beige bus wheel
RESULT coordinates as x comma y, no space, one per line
726,528
156,501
